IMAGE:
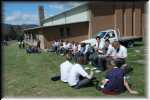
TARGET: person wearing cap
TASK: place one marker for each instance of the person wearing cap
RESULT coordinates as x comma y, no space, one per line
115,81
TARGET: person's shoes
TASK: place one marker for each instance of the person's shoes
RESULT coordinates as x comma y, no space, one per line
55,78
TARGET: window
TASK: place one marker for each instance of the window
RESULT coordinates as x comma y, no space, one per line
111,34
61,32
68,31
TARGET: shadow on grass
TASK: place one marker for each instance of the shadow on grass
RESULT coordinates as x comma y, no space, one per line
139,44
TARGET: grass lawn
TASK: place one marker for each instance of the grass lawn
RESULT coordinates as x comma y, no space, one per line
29,75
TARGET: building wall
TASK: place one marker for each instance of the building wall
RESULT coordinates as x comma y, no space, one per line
69,17
119,20
143,18
102,17
127,16
128,27
78,32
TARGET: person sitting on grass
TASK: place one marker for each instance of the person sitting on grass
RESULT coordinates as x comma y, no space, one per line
33,49
53,47
107,55
74,50
81,51
120,53
65,68
29,49
98,52
78,77
115,81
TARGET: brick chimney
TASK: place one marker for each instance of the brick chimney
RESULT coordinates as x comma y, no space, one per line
41,14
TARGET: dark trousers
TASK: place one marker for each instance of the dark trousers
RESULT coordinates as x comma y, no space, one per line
99,62
119,62
84,82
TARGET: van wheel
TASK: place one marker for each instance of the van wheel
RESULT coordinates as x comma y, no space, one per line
130,44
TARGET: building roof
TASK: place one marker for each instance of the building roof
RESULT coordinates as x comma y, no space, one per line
70,10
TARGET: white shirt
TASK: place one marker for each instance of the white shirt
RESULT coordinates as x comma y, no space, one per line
74,74
56,43
65,68
110,50
19,42
101,44
86,49
75,48
79,47
122,52
65,45
68,45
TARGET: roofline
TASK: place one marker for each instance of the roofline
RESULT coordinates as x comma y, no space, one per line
32,28
52,26
84,4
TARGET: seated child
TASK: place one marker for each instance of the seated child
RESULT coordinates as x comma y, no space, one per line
115,81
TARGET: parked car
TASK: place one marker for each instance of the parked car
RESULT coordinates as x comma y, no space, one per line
113,35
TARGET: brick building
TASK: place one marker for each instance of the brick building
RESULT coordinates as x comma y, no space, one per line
84,21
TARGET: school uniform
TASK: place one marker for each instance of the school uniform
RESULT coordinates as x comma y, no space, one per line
110,50
115,81
120,55
64,70
96,60
74,76
75,49
102,60
100,45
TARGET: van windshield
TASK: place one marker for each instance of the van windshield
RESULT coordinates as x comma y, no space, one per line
100,34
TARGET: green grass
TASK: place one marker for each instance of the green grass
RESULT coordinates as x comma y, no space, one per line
29,75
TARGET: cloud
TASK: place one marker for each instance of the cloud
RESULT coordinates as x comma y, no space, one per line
18,18
74,4
62,6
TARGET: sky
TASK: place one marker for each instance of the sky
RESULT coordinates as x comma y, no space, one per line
18,13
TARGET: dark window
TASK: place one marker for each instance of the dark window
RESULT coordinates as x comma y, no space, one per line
111,34
68,31
62,32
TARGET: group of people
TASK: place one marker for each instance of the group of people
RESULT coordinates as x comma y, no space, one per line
96,55
34,49
104,56
74,49
21,43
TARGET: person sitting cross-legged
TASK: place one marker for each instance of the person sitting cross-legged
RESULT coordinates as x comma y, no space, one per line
78,77
120,53
108,51
65,68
